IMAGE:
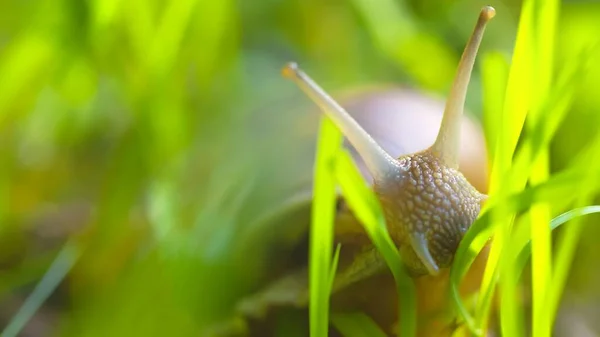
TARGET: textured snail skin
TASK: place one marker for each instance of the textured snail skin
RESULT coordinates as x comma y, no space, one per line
431,200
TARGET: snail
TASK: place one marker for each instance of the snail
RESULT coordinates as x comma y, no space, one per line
428,203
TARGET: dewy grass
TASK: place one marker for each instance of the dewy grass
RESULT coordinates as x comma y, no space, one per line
321,233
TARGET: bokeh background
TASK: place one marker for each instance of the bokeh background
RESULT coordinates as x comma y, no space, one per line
124,141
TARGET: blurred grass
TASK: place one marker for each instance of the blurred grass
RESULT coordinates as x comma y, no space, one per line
135,110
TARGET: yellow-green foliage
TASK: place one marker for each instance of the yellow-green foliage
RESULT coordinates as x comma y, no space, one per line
126,170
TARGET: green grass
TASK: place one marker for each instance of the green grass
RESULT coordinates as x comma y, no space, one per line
61,266
334,166
532,93
366,207
133,108
321,237
356,324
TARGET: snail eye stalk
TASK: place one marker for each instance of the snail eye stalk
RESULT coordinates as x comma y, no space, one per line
378,161
447,142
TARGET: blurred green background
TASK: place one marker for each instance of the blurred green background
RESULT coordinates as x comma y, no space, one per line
124,129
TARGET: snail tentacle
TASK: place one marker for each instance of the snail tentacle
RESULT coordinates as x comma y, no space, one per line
377,160
447,142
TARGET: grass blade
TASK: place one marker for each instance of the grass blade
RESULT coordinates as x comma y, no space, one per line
558,221
494,76
321,233
544,26
516,105
56,273
356,324
367,209
334,266
566,248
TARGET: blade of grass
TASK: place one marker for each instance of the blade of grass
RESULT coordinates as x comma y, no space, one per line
523,97
566,248
356,324
494,76
367,209
560,189
524,252
516,106
56,273
321,232
533,156
334,266
534,147
574,214
544,26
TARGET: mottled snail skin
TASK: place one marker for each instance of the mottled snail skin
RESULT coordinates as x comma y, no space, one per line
434,202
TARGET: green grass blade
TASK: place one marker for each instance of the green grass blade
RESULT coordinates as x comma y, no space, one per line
56,273
494,76
560,190
547,104
516,105
525,251
334,266
516,101
367,209
544,29
566,248
321,233
356,324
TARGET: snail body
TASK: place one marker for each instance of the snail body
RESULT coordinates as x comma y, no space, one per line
428,202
